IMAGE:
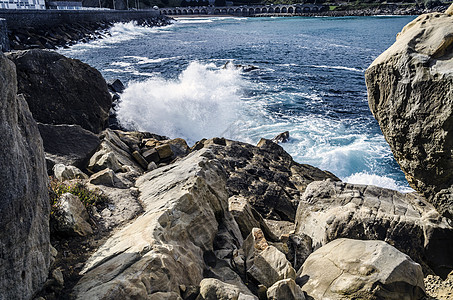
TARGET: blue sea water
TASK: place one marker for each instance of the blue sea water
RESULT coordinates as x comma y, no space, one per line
310,82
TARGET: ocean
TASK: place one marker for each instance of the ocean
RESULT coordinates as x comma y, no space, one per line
309,81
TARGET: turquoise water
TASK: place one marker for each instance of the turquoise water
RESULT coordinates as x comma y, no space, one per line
310,82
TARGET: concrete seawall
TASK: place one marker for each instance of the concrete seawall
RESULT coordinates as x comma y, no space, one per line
4,41
16,19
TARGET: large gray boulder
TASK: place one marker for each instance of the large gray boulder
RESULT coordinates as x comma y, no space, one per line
167,246
61,90
354,269
330,210
410,93
24,201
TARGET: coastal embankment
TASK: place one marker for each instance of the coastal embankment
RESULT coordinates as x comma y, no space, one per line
28,29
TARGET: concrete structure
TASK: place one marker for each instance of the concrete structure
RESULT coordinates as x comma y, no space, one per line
4,41
246,11
49,18
22,4
65,5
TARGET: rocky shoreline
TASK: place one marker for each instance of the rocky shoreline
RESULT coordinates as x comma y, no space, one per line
92,212
66,35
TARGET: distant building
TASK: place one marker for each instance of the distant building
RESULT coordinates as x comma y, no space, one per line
65,4
22,4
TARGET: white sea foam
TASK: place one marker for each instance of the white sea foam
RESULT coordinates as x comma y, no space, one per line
373,179
338,68
141,60
193,21
202,102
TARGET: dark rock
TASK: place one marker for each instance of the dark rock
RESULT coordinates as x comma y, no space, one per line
62,90
24,200
281,138
151,155
68,144
116,86
266,175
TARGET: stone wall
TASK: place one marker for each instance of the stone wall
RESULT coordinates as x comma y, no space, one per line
4,42
48,18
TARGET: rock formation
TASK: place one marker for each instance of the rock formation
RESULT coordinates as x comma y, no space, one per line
353,269
62,90
265,175
410,93
24,201
331,210
169,244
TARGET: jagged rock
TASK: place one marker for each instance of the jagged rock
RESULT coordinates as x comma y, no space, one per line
222,272
113,153
151,156
68,144
214,289
179,147
410,93
254,243
242,213
299,248
62,90
108,178
24,200
281,138
330,210
116,86
354,269
164,151
140,160
270,266
62,172
285,289
71,216
280,228
163,248
266,176
264,262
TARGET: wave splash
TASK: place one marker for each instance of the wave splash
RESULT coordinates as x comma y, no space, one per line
203,102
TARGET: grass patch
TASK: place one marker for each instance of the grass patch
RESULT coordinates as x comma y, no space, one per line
79,189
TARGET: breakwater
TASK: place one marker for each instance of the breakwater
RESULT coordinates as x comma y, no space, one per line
28,29
4,42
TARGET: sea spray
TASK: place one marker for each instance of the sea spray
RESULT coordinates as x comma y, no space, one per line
202,102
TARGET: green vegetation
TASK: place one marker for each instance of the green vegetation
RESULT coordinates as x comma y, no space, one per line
79,189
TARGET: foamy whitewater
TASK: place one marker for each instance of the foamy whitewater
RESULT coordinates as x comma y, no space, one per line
309,81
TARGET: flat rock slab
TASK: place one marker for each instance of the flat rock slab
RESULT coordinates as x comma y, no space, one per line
354,269
330,210
163,248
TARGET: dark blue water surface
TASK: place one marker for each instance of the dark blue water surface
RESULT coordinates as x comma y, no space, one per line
310,82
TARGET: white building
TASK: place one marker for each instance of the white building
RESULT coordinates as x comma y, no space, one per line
22,4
